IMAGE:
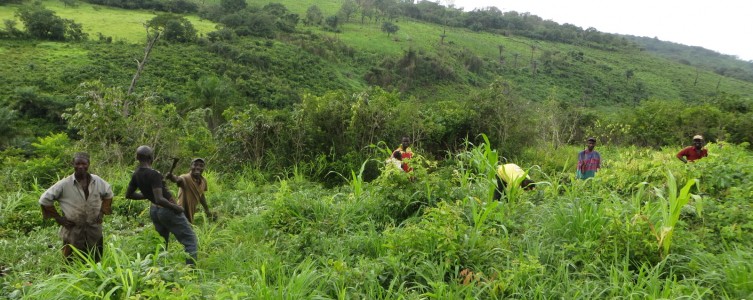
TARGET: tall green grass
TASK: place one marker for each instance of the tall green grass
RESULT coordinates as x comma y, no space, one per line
294,239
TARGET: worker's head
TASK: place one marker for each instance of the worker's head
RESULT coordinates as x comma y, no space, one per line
591,143
197,167
405,142
80,164
144,154
527,184
698,141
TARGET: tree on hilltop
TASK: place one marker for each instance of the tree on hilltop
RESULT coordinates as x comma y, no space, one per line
347,10
44,24
314,16
389,28
174,28
231,6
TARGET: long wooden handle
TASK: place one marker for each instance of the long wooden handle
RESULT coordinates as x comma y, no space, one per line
175,163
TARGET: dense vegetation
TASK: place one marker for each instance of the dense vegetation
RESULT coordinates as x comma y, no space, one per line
296,105
626,233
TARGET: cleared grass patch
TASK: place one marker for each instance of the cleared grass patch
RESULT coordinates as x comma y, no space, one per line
120,24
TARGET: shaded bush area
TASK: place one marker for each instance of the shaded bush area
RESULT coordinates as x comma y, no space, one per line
256,21
42,23
173,6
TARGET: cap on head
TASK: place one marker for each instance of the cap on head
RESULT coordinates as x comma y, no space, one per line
198,159
144,153
698,137
591,139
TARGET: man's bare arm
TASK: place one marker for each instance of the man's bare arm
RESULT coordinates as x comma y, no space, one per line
132,194
177,179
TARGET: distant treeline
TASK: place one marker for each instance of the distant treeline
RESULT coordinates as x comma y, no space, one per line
722,64
489,19
492,19
173,6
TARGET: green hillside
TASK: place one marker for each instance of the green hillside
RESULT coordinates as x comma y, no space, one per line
296,105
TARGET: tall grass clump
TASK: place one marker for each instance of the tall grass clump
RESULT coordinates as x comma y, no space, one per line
117,276
670,208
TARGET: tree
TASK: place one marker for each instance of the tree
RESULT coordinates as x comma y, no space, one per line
231,6
214,93
71,3
174,28
74,31
10,29
178,31
261,25
151,39
283,19
42,23
332,23
629,73
389,28
348,9
314,16
501,49
179,6
367,10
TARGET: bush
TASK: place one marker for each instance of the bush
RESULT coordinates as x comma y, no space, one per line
44,24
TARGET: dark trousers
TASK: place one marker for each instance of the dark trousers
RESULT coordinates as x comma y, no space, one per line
167,221
94,251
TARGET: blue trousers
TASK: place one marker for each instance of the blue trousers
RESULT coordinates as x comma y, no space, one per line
167,221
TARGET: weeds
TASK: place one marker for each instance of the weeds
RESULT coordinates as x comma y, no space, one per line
402,238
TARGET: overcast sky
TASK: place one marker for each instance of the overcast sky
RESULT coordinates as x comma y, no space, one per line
725,26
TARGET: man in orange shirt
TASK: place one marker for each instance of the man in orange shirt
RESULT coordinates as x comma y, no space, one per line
691,153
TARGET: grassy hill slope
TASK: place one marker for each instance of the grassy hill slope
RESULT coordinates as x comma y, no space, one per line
578,74
120,24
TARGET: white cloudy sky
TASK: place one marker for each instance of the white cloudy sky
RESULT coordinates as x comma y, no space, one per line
725,26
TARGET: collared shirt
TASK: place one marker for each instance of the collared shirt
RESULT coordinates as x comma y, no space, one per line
691,153
75,207
189,195
588,163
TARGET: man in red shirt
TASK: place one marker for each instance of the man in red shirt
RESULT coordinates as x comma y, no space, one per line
691,153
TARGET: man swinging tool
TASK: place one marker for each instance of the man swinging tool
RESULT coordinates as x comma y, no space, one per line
192,187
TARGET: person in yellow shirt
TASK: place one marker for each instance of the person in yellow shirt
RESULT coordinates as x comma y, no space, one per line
511,173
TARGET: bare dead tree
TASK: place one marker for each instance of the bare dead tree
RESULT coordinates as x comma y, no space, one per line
534,68
695,82
151,39
501,58
533,50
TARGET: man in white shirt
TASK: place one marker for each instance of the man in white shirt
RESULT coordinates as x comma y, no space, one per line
84,199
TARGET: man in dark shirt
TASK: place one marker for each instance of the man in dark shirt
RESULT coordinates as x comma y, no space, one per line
166,215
